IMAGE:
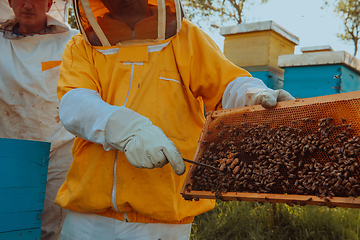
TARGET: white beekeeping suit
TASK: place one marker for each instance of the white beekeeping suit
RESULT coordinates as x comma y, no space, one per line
59,10
29,67
5,10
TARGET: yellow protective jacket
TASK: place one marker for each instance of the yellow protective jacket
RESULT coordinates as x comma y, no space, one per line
169,88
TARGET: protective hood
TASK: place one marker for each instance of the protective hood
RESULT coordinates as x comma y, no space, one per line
128,22
58,10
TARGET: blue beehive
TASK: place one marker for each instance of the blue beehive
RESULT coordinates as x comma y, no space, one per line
23,174
319,73
270,76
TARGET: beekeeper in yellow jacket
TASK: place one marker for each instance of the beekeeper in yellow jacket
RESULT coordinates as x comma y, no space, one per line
132,88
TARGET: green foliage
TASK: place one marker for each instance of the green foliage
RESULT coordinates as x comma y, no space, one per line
349,11
71,18
214,12
248,220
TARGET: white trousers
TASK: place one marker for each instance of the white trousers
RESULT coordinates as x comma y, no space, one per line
53,215
88,226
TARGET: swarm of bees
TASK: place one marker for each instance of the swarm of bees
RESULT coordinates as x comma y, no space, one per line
310,157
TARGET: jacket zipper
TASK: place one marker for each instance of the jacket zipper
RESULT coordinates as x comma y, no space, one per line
114,185
116,154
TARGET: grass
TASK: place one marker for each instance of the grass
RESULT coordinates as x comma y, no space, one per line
249,220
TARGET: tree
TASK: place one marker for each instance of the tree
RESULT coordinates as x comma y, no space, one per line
349,11
216,12
71,18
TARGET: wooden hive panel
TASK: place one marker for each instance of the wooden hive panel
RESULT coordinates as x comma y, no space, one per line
257,48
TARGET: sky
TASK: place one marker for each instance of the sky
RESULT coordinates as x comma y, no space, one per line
303,18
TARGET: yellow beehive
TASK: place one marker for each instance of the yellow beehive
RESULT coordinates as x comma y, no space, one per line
257,46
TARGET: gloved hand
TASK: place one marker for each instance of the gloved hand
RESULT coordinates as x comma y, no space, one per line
266,97
144,144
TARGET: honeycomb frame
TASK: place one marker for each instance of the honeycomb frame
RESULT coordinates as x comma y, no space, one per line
306,114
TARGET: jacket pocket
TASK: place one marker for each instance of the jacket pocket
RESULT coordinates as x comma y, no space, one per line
49,77
173,111
49,64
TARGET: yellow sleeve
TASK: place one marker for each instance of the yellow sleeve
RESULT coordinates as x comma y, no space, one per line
203,66
76,69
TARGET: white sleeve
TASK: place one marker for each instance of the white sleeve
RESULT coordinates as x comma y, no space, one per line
235,93
85,114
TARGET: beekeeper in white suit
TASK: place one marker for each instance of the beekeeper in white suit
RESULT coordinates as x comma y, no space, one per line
31,46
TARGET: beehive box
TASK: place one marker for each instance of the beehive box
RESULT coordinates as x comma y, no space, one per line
257,44
314,74
23,174
304,151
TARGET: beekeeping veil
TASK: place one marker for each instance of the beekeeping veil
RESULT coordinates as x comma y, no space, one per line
124,22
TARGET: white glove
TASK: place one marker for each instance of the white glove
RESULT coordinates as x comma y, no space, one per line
266,97
144,144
